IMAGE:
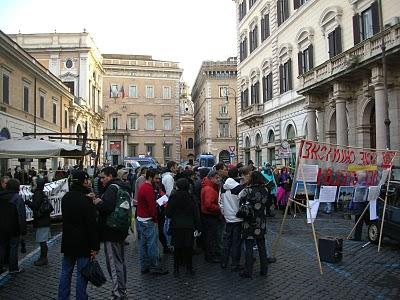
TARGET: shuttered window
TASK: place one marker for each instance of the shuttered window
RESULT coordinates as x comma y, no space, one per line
282,11
285,74
335,42
265,31
306,60
6,89
267,87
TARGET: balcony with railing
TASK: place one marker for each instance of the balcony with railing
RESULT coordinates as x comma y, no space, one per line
354,58
252,114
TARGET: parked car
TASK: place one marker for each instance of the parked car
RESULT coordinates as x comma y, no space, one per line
391,224
141,161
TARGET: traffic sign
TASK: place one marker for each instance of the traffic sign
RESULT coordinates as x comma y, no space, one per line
232,149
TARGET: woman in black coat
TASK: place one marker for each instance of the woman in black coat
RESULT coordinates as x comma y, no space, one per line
41,220
185,219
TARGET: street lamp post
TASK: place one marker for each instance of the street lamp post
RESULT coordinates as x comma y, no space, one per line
236,120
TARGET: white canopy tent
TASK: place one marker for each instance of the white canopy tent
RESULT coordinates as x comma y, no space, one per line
28,147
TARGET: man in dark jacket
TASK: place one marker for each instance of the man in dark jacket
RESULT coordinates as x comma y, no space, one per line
12,224
80,238
114,246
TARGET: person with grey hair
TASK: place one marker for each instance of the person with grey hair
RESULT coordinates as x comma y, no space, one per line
211,215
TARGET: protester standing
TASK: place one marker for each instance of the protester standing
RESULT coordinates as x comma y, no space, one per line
41,219
185,219
12,224
211,215
80,237
114,246
147,226
229,207
254,197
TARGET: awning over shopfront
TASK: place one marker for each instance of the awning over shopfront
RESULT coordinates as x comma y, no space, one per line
28,147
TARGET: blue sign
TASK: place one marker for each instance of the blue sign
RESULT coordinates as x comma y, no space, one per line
232,154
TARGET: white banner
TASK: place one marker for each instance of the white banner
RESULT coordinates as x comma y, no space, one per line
54,190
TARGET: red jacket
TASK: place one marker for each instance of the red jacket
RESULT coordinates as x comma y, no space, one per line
209,197
146,202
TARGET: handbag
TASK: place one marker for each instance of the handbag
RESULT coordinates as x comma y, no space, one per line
93,273
45,208
245,211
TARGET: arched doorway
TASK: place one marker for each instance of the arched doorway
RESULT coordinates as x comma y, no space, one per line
247,150
224,156
258,151
367,130
4,135
331,133
290,136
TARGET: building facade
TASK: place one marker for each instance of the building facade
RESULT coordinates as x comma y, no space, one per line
31,98
187,125
142,108
215,109
309,68
75,59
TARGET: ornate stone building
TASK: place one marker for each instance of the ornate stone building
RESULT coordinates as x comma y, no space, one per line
31,98
141,103
76,60
215,110
187,125
310,62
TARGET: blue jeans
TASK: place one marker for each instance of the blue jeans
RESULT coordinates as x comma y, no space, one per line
148,245
231,243
328,207
68,265
9,245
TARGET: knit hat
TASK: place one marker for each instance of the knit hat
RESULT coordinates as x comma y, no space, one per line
79,176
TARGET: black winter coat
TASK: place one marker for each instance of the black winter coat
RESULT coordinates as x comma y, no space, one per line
80,234
38,221
183,211
8,216
105,208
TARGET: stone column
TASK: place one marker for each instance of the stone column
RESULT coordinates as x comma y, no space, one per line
341,122
380,107
125,147
340,96
321,124
311,124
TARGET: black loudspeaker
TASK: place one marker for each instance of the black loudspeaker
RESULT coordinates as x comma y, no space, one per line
330,249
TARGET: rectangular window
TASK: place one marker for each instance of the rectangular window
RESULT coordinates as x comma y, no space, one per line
298,3
133,91
114,89
167,150
223,130
6,89
255,93
366,24
167,124
243,49
253,38
149,91
267,87
282,7
150,123
66,119
285,73
335,42
306,60
114,124
54,113
41,106
133,123
71,86
223,110
166,92
244,98
251,3
149,149
265,32
132,150
93,98
223,91
26,98
242,10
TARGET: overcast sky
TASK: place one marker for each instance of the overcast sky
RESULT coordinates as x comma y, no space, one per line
185,31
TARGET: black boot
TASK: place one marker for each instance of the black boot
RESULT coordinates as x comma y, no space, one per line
42,261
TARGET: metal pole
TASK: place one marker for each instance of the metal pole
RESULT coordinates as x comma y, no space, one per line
236,122
385,83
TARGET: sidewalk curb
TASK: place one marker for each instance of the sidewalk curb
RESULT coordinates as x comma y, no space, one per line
28,258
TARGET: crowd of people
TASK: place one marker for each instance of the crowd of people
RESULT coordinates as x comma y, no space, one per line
221,212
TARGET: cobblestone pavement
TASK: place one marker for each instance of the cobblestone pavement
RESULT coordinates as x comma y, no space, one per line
363,274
